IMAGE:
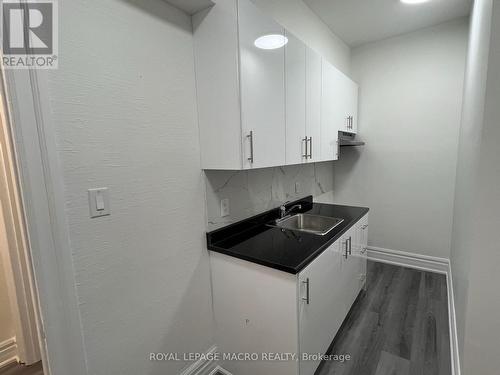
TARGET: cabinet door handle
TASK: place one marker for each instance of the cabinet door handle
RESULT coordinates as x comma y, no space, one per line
310,147
306,153
350,245
346,248
250,137
306,298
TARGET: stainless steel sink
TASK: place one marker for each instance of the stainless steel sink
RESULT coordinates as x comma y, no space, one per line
314,224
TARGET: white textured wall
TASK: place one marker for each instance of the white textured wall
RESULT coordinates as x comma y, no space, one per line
463,240
298,18
476,250
409,115
124,110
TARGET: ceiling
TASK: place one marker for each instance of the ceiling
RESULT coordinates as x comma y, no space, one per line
358,22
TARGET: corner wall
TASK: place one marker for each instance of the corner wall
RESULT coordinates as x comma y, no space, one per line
409,116
476,249
469,158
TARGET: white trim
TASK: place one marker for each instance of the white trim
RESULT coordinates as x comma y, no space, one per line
17,260
431,264
411,260
203,366
455,352
8,352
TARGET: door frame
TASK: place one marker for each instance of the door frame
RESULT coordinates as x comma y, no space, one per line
16,257
41,190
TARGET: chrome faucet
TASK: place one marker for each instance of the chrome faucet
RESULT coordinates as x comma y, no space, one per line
284,212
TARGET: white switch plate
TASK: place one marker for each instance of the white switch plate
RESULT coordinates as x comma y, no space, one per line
224,207
297,188
99,202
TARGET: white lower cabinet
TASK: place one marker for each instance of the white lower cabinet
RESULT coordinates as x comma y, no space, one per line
261,310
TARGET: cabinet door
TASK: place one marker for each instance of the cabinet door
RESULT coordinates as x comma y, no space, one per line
313,103
351,89
262,86
331,110
320,312
359,251
350,269
363,250
295,83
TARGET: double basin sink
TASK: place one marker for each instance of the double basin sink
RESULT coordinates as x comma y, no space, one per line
315,224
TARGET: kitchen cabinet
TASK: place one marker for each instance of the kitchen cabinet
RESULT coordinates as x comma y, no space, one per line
263,107
319,306
262,84
313,103
240,88
303,102
332,104
297,140
351,107
263,310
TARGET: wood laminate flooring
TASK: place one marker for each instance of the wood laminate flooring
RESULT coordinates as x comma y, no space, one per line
17,369
399,326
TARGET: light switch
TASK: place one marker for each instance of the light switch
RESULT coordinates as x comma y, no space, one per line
224,207
99,202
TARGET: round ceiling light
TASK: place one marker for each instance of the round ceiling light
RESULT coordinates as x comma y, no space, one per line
272,41
414,1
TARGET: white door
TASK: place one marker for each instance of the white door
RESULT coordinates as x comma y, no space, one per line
331,110
313,104
363,249
262,85
350,269
351,91
297,146
320,312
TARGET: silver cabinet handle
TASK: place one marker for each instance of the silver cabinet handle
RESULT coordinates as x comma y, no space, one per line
310,147
306,154
306,298
250,137
350,245
346,249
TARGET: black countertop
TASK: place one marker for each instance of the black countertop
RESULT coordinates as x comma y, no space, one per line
285,250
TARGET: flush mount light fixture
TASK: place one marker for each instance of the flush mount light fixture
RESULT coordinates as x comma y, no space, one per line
272,41
414,1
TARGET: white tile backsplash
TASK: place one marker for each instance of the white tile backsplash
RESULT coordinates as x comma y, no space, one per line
254,191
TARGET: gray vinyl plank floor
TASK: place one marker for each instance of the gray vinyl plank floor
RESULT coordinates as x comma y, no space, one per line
17,369
399,326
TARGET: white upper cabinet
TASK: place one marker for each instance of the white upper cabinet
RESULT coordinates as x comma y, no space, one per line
351,106
262,88
313,104
263,102
332,114
297,142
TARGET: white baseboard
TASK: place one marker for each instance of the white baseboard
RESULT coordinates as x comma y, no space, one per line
411,260
203,366
432,264
8,352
